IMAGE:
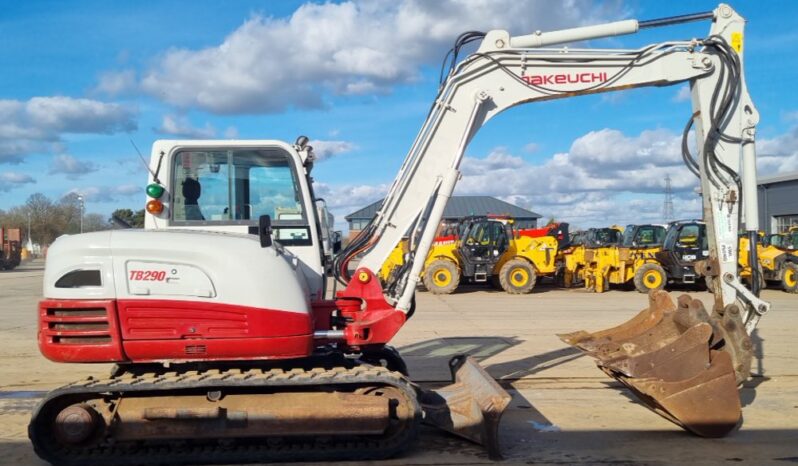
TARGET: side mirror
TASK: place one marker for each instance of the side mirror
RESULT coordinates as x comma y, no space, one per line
265,231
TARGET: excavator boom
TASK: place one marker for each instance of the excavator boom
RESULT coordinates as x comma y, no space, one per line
508,71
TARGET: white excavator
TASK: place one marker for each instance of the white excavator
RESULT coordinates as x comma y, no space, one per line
228,350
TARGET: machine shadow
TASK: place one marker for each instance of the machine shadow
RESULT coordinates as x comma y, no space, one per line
431,357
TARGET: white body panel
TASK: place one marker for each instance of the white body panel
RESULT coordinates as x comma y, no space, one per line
179,265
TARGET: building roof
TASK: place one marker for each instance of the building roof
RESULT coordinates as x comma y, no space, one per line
780,178
461,206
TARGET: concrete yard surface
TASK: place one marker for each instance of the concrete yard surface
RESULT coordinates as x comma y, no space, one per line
564,410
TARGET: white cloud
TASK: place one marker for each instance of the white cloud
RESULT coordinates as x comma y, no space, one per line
778,154
106,193
531,148
497,159
328,149
342,200
605,177
683,94
269,64
70,166
37,124
11,180
116,82
179,126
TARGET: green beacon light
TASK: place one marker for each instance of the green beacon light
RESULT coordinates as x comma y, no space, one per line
155,190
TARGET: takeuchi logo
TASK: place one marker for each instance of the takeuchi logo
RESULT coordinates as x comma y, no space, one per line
565,78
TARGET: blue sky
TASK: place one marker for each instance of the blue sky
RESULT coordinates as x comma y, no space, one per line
83,78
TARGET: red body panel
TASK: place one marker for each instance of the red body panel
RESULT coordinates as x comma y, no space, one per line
170,319
157,330
173,330
219,349
535,232
79,331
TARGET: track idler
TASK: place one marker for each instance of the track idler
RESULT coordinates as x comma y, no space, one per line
471,407
678,360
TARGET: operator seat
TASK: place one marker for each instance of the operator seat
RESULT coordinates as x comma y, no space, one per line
192,190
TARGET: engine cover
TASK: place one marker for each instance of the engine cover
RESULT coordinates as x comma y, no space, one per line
151,295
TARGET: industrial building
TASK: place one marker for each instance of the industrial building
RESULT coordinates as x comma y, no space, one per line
778,202
458,208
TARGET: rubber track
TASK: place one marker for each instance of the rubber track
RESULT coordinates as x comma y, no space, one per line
217,451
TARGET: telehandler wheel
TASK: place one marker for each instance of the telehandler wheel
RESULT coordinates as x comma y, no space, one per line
789,278
650,277
442,277
517,276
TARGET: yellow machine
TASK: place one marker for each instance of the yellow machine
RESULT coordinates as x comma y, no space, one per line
571,260
778,261
486,250
631,259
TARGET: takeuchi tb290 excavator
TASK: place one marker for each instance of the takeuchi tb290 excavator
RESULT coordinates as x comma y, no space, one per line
226,349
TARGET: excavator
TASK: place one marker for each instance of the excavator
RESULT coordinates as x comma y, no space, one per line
216,315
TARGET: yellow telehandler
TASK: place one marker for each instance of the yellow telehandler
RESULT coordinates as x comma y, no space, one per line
778,260
633,260
487,250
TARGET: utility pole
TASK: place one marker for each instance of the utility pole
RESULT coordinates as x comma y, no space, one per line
667,208
29,246
80,199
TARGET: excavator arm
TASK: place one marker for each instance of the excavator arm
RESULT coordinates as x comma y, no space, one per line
673,357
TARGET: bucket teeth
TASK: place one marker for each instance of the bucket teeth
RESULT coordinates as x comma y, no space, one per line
664,356
470,407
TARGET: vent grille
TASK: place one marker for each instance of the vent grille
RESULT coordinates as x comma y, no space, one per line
196,349
78,326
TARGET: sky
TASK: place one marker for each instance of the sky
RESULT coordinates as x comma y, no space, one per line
83,79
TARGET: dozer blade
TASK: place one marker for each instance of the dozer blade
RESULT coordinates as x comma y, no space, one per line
664,356
470,407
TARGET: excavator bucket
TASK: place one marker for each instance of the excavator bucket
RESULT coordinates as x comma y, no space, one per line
665,356
470,407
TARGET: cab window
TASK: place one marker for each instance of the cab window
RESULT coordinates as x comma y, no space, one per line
689,236
236,187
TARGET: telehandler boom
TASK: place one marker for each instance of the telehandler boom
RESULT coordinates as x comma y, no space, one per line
228,351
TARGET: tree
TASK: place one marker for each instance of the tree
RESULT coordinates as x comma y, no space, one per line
49,219
47,222
69,209
94,222
133,218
